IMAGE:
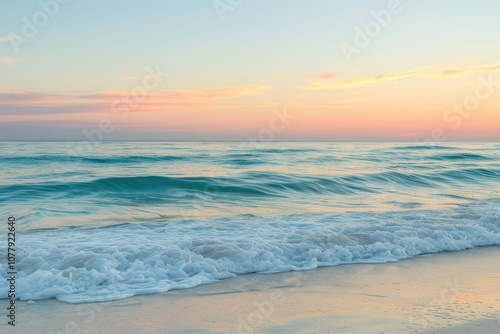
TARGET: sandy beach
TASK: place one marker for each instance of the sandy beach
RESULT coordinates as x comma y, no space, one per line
456,292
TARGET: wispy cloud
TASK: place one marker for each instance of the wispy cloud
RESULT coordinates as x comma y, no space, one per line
219,93
10,61
161,106
181,100
425,72
26,98
459,71
327,75
193,94
196,99
375,79
7,38
47,109
8,87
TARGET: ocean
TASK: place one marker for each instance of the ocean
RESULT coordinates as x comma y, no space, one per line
109,220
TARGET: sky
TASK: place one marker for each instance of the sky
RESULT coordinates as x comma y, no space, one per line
410,70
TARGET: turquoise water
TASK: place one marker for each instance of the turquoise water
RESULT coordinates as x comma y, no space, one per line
118,219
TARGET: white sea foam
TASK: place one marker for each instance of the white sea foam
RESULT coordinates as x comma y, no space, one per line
88,265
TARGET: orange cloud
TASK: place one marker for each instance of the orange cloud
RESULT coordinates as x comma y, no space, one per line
448,73
159,106
219,93
7,38
10,61
182,100
7,87
194,94
377,78
363,80
425,72
26,98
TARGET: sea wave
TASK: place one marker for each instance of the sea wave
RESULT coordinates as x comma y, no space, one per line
131,159
253,183
425,147
78,265
459,156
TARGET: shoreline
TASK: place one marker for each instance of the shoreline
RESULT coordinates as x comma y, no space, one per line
451,292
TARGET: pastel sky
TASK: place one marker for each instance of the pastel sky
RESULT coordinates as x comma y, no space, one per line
231,69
